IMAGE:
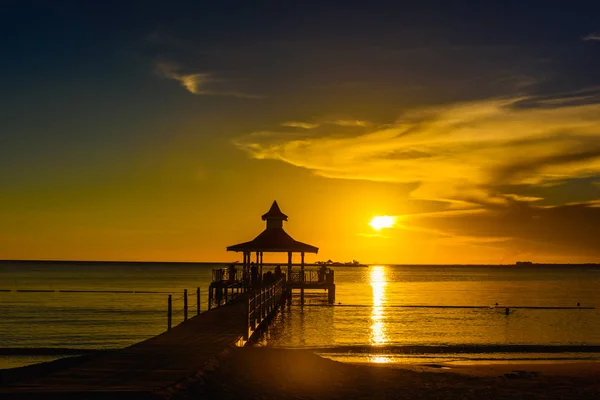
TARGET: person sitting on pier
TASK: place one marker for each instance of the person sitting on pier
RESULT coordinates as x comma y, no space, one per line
253,275
267,277
277,272
231,272
322,272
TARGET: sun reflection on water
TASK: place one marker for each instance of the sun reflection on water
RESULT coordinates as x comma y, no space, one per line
380,359
378,282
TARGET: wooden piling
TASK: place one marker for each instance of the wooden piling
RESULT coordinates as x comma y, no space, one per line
331,294
197,301
169,312
185,304
302,279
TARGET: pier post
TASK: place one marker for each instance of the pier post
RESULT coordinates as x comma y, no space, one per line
210,295
253,310
185,304
197,301
331,294
289,278
261,268
302,278
247,328
169,312
262,304
331,286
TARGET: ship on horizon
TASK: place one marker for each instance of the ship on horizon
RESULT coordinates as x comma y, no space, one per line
353,263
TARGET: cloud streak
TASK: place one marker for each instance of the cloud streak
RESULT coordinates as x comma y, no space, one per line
303,125
460,152
351,123
198,83
595,36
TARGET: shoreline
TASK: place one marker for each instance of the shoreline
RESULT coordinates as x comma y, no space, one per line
299,374
262,372
457,356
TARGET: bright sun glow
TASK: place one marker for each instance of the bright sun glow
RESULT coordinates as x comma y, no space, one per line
383,221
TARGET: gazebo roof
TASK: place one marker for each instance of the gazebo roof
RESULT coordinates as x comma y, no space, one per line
274,240
274,213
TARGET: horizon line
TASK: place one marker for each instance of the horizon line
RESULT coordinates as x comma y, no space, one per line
283,263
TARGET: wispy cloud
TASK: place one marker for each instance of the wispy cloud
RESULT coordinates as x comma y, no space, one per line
460,152
347,122
199,83
303,125
592,36
518,197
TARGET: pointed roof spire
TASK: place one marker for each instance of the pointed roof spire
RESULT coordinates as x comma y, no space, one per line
274,213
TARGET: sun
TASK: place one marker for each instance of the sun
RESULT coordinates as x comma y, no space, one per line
383,221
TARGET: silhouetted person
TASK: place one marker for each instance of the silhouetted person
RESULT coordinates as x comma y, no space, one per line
268,277
231,272
578,304
253,275
322,272
507,311
277,272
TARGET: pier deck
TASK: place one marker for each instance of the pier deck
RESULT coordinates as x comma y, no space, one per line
152,369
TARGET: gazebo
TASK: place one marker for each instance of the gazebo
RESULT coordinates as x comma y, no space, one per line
273,240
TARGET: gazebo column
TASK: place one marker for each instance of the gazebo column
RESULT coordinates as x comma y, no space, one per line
246,268
302,278
261,265
259,277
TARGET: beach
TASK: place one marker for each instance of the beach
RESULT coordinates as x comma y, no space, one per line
264,373
260,373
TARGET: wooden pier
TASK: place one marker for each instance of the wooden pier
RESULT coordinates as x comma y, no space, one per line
162,366
246,298
229,284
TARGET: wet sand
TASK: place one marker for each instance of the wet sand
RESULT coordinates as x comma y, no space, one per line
260,373
263,373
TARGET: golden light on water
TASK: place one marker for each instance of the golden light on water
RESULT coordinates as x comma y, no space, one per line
378,282
383,221
380,359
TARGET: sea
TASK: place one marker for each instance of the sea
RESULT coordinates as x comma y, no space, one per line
382,313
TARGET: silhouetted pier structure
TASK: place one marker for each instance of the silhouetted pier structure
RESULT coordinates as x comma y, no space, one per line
162,366
274,239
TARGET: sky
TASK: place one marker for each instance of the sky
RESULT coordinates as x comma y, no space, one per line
162,131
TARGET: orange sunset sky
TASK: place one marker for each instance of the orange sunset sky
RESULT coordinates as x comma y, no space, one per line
156,135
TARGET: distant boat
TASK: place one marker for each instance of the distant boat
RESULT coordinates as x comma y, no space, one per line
523,263
353,263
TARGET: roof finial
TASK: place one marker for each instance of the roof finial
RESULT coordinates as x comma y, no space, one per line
274,217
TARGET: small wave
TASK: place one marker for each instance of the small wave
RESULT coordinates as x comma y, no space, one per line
458,349
45,351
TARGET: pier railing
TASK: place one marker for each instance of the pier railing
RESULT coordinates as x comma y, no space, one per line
185,306
261,304
228,275
312,276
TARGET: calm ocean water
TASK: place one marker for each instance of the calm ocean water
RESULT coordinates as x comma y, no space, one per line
374,322
371,322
